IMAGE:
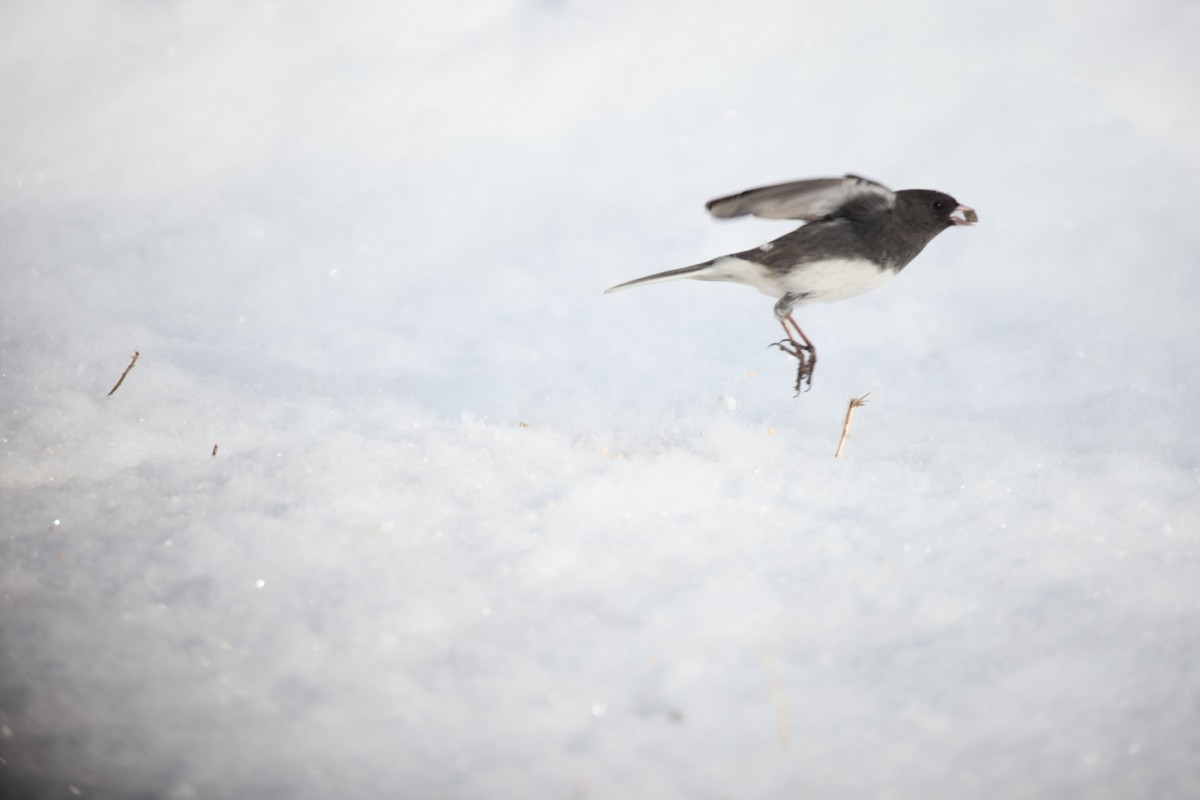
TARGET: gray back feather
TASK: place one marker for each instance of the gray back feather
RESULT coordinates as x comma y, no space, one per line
807,200
889,234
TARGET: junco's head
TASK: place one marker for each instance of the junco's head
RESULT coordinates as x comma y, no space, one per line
932,211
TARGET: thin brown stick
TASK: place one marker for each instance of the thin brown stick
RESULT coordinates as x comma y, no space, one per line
121,379
214,451
855,402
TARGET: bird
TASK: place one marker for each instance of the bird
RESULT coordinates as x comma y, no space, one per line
857,235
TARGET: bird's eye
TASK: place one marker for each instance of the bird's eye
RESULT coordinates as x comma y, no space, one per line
938,205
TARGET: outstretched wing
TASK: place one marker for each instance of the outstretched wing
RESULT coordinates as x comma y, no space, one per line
807,200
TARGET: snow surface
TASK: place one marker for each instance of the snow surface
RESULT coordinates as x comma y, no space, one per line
475,529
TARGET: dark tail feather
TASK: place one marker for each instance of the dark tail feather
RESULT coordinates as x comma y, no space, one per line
694,271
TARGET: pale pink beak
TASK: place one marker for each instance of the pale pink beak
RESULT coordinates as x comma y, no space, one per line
969,217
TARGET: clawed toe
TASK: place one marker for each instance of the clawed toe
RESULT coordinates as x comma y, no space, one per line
787,346
806,355
804,373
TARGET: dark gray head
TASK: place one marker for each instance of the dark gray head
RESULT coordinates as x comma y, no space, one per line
918,215
930,211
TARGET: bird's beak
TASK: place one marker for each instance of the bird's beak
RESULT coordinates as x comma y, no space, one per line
969,217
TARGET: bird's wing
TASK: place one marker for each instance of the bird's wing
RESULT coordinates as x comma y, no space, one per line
806,200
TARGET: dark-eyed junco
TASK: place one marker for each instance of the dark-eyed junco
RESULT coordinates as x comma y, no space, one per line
859,235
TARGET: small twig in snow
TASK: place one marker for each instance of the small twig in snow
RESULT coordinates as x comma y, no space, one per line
855,402
121,379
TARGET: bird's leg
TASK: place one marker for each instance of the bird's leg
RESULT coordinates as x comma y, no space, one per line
803,351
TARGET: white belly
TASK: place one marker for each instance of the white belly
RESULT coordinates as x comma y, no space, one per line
821,281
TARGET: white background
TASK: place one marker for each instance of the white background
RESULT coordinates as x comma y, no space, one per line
475,529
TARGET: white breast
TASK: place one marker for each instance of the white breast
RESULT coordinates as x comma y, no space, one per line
822,281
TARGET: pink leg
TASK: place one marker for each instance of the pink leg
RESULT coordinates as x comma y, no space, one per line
796,328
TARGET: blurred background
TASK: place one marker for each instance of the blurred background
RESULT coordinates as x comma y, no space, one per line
476,529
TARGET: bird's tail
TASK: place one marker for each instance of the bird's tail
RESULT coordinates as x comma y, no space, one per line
702,272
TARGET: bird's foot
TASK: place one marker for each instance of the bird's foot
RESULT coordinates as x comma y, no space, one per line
806,355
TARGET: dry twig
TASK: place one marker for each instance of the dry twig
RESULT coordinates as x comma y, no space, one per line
855,402
121,379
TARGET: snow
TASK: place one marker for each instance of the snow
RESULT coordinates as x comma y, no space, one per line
473,528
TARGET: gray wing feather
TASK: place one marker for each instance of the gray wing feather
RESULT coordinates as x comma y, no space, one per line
807,200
